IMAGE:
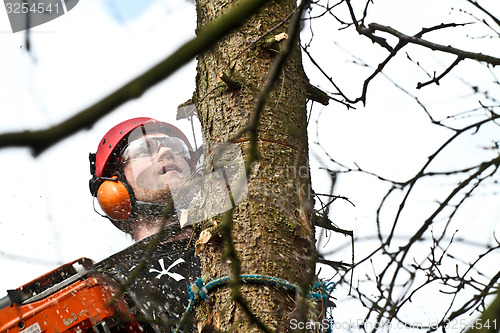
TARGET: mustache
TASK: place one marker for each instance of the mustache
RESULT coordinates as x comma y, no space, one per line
165,166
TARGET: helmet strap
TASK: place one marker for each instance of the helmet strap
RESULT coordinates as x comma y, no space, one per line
153,209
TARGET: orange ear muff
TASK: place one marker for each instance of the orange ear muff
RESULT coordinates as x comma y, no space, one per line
114,199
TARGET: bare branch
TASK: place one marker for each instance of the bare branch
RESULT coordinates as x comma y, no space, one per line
493,17
436,79
434,46
40,140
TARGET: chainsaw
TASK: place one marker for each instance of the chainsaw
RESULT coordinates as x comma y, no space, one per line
143,288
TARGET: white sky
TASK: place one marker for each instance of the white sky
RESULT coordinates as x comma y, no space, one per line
46,215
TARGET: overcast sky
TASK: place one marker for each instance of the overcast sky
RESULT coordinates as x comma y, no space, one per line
46,216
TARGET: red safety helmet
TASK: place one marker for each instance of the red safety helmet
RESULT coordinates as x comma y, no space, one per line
113,193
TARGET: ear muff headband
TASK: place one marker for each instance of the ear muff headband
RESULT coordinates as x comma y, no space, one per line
114,199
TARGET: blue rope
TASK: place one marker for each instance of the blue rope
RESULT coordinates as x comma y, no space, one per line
319,291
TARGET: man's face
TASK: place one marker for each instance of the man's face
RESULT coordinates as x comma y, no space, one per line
155,166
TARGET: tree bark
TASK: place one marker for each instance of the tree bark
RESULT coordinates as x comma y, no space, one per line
271,229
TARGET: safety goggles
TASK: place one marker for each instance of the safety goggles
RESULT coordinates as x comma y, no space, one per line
149,147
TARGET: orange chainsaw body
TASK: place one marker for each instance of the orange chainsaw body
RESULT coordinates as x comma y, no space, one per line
81,306
86,297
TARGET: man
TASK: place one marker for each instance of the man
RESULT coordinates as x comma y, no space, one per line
138,167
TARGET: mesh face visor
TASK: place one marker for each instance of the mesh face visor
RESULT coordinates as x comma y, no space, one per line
149,147
153,158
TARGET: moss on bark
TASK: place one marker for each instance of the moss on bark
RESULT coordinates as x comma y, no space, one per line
272,232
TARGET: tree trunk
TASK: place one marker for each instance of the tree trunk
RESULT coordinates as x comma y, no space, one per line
271,228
